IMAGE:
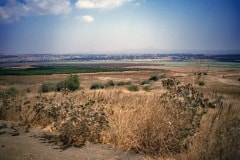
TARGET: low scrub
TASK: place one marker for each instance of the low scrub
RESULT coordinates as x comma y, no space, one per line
9,93
145,82
133,88
110,84
170,83
72,83
181,122
201,83
152,79
161,125
48,87
146,88
122,83
101,86
97,86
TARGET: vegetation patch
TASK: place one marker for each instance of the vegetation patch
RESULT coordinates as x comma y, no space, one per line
72,83
153,79
201,83
97,86
110,83
122,83
9,93
48,87
58,69
133,88
181,122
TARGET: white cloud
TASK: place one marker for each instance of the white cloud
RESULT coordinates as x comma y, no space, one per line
13,10
91,4
139,3
55,7
85,18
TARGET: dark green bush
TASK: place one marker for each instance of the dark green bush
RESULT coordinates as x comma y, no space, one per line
146,88
201,83
122,83
154,78
72,82
48,87
133,88
110,84
97,86
10,92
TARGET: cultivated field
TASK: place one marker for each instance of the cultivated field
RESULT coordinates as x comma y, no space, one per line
160,112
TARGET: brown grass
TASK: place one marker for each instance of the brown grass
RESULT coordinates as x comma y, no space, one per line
177,122
218,135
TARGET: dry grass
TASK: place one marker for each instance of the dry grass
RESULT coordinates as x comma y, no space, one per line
218,135
176,122
148,122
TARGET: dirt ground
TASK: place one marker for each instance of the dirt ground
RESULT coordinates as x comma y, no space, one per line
17,144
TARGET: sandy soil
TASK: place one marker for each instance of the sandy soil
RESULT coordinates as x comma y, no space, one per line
17,144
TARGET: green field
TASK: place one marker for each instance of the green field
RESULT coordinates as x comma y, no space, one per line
105,66
47,70
204,64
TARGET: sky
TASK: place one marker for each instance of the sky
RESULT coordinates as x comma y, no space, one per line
79,26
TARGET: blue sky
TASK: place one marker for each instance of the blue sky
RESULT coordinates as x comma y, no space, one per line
76,26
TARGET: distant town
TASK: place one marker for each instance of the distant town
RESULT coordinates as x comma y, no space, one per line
38,58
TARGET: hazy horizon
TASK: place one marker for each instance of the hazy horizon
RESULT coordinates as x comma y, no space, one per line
134,51
112,26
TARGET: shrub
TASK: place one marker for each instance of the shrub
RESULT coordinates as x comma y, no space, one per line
97,86
110,84
133,88
60,86
10,92
146,88
201,83
48,87
145,82
157,125
154,78
29,90
72,82
170,83
86,125
122,83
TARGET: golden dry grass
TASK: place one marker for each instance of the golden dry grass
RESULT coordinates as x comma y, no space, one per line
158,123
